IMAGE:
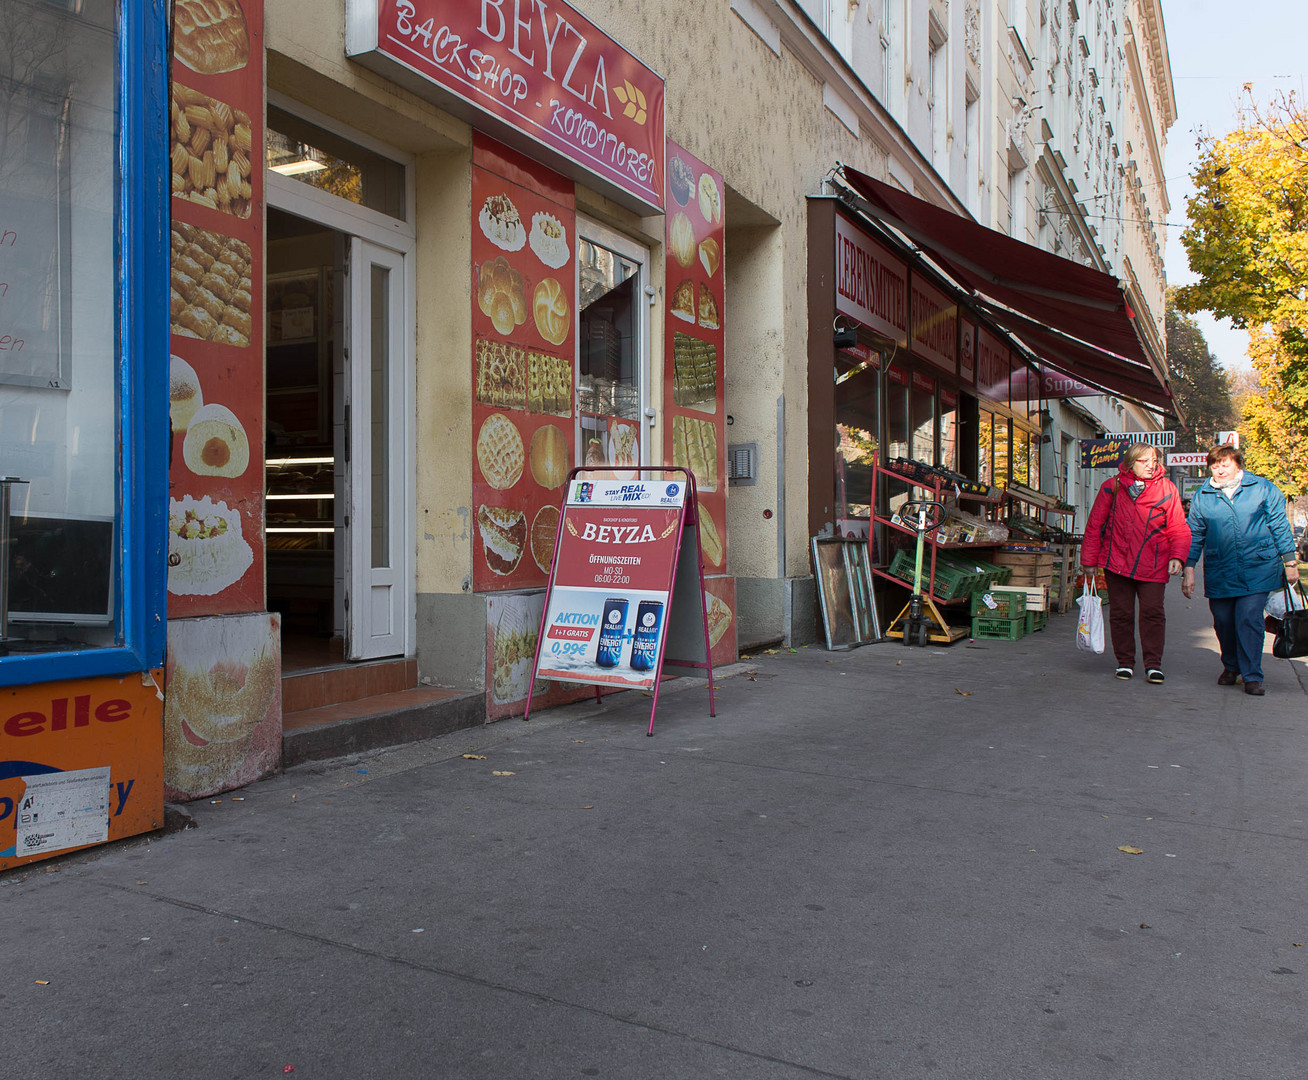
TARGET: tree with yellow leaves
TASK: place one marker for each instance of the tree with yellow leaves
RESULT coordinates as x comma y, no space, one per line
1247,239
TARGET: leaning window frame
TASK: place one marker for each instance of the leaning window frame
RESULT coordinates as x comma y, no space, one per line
141,250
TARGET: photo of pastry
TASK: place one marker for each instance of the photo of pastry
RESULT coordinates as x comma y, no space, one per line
500,295
681,236
624,444
550,308
503,531
544,534
683,301
719,617
210,36
501,224
512,651
210,151
206,552
549,457
694,373
184,395
500,453
710,199
549,384
681,178
708,308
501,374
709,537
216,444
695,447
209,297
710,255
595,452
549,240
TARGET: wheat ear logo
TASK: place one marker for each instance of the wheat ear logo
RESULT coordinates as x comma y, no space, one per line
633,101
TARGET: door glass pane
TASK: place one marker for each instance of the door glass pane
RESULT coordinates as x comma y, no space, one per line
924,425
608,386
1001,451
896,420
380,431
59,285
857,431
985,459
948,434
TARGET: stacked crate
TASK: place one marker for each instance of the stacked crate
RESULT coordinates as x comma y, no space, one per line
999,614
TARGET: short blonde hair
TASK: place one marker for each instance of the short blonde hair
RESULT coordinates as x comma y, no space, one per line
1137,450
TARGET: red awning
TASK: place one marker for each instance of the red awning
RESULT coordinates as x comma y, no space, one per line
1073,317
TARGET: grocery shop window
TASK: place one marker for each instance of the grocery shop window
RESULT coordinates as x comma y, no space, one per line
83,338
949,430
985,450
858,427
613,348
922,403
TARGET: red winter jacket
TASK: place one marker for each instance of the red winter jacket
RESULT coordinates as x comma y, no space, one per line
1136,537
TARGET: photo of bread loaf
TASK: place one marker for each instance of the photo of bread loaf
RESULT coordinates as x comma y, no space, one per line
210,290
695,447
210,36
211,147
710,539
500,453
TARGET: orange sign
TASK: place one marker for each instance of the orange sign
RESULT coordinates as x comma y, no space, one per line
81,762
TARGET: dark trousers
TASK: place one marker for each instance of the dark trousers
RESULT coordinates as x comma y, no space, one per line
1241,633
1123,593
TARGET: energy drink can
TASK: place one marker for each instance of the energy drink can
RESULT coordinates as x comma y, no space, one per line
612,631
645,646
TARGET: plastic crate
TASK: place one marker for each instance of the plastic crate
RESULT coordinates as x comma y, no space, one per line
994,575
1035,620
999,629
1003,604
950,582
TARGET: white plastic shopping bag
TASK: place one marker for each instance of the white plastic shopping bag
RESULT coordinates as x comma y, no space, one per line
1090,622
1277,601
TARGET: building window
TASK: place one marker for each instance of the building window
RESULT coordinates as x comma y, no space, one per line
972,150
937,96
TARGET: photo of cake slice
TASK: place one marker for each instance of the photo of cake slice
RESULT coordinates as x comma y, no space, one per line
708,308
683,301
501,224
549,240
206,552
503,531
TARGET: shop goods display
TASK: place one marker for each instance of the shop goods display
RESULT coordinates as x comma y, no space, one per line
500,295
215,443
988,573
999,603
952,582
503,531
184,395
500,453
694,372
549,307
961,527
210,152
921,473
501,374
501,224
695,447
210,36
206,551
549,457
209,298
549,240
549,384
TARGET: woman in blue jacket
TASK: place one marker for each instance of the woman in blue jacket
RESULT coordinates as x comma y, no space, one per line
1238,524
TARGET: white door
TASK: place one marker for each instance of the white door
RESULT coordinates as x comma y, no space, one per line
377,525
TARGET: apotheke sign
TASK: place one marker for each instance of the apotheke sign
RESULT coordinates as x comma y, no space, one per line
538,67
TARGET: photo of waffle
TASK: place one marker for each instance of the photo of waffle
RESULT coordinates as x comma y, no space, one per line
694,373
549,384
210,286
500,452
210,151
695,447
210,36
501,376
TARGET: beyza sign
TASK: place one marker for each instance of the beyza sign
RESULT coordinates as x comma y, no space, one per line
538,66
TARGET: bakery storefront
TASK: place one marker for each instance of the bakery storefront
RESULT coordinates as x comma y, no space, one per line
83,424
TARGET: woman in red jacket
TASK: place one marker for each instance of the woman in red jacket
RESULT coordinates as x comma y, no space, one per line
1138,534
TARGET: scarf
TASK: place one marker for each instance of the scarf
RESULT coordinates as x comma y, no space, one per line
1229,489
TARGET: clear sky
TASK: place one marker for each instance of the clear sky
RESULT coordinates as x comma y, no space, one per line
1216,47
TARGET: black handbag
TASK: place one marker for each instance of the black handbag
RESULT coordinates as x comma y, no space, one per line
1292,638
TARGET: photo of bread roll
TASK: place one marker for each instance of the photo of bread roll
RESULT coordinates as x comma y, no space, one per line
216,444
551,310
681,236
549,457
184,395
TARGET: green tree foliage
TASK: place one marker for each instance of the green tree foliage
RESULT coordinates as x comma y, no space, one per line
1247,239
1202,389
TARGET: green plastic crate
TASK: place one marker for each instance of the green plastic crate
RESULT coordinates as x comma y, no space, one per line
1035,620
950,582
999,629
1009,604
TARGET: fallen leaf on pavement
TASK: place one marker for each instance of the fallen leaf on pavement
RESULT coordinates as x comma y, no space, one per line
42,982
497,772
962,693
475,757
1130,850
772,652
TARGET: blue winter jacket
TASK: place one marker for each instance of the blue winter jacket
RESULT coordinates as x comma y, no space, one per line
1243,539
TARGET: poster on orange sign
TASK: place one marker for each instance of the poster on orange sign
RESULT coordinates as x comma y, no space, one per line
523,328
216,398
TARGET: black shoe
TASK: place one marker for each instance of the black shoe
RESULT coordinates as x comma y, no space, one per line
1228,678
1255,688
1155,675
1124,673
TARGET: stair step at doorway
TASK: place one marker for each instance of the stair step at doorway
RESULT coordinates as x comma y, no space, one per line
319,687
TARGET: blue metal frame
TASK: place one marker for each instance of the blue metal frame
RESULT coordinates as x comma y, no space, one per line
142,250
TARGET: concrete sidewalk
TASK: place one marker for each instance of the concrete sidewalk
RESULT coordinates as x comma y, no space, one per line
892,862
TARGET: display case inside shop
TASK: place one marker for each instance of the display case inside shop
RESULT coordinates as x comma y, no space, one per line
301,534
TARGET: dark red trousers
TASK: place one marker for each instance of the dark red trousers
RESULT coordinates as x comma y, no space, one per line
1123,595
